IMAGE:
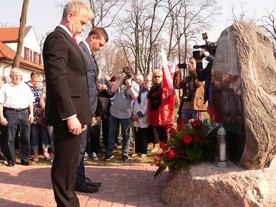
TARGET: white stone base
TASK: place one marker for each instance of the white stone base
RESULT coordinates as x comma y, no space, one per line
210,186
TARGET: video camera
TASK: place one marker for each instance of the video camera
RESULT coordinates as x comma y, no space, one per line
182,65
209,46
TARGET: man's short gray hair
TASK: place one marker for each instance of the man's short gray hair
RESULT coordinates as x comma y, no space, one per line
14,70
78,7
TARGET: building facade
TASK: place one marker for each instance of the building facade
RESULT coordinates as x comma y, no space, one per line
31,59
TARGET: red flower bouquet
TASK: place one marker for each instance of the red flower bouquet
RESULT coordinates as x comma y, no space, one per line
190,143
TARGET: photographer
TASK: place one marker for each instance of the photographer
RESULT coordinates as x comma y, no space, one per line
192,104
204,74
126,90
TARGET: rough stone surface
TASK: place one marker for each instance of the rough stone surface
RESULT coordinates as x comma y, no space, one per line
245,52
207,185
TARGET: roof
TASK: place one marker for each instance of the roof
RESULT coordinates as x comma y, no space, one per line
7,55
10,34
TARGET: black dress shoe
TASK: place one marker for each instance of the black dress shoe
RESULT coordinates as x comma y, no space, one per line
125,158
86,188
10,164
2,157
94,184
23,162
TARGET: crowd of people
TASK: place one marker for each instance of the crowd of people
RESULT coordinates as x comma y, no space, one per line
22,119
67,109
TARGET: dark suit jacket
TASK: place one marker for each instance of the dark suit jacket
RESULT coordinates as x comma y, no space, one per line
92,74
66,80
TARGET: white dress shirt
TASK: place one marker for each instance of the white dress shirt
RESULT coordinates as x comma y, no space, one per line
17,96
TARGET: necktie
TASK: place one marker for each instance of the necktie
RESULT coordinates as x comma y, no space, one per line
94,59
75,40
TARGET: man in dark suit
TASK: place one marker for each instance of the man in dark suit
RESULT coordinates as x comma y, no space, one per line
95,40
67,100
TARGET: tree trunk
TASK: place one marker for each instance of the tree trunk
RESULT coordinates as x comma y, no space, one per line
23,21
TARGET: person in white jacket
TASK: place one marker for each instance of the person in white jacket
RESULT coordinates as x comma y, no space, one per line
140,118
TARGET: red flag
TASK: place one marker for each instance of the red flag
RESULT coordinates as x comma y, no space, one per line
168,81
167,78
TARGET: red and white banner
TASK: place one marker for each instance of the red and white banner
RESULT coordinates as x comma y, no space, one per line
167,77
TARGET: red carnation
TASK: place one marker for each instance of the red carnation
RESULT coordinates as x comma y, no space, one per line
187,139
163,145
184,121
180,128
196,123
171,154
171,131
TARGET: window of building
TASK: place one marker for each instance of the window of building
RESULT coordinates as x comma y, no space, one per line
28,54
36,58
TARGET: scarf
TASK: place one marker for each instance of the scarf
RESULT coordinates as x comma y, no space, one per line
155,95
142,90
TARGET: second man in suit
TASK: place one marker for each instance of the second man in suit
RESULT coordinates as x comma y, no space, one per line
96,39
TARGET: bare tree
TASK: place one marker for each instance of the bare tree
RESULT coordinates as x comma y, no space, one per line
269,23
111,62
105,12
243,15
188,21
141,27
7,24
23,21
129,32
171,24
141,31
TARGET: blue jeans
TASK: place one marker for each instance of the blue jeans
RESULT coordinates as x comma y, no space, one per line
38,131
51,137
189,114
16,119
113,133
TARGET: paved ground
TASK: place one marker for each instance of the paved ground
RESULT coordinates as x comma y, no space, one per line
123,185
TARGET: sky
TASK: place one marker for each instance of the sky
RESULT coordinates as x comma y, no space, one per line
44,15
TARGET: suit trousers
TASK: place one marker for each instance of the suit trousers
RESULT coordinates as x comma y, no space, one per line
64,168
80,179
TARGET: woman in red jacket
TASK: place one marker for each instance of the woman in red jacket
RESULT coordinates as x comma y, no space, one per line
161,106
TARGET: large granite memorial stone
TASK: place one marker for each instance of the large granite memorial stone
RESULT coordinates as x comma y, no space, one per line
244,94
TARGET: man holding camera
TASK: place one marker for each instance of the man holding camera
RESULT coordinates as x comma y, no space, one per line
192,102
126,90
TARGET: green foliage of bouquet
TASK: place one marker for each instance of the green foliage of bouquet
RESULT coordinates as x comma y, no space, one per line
190,143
